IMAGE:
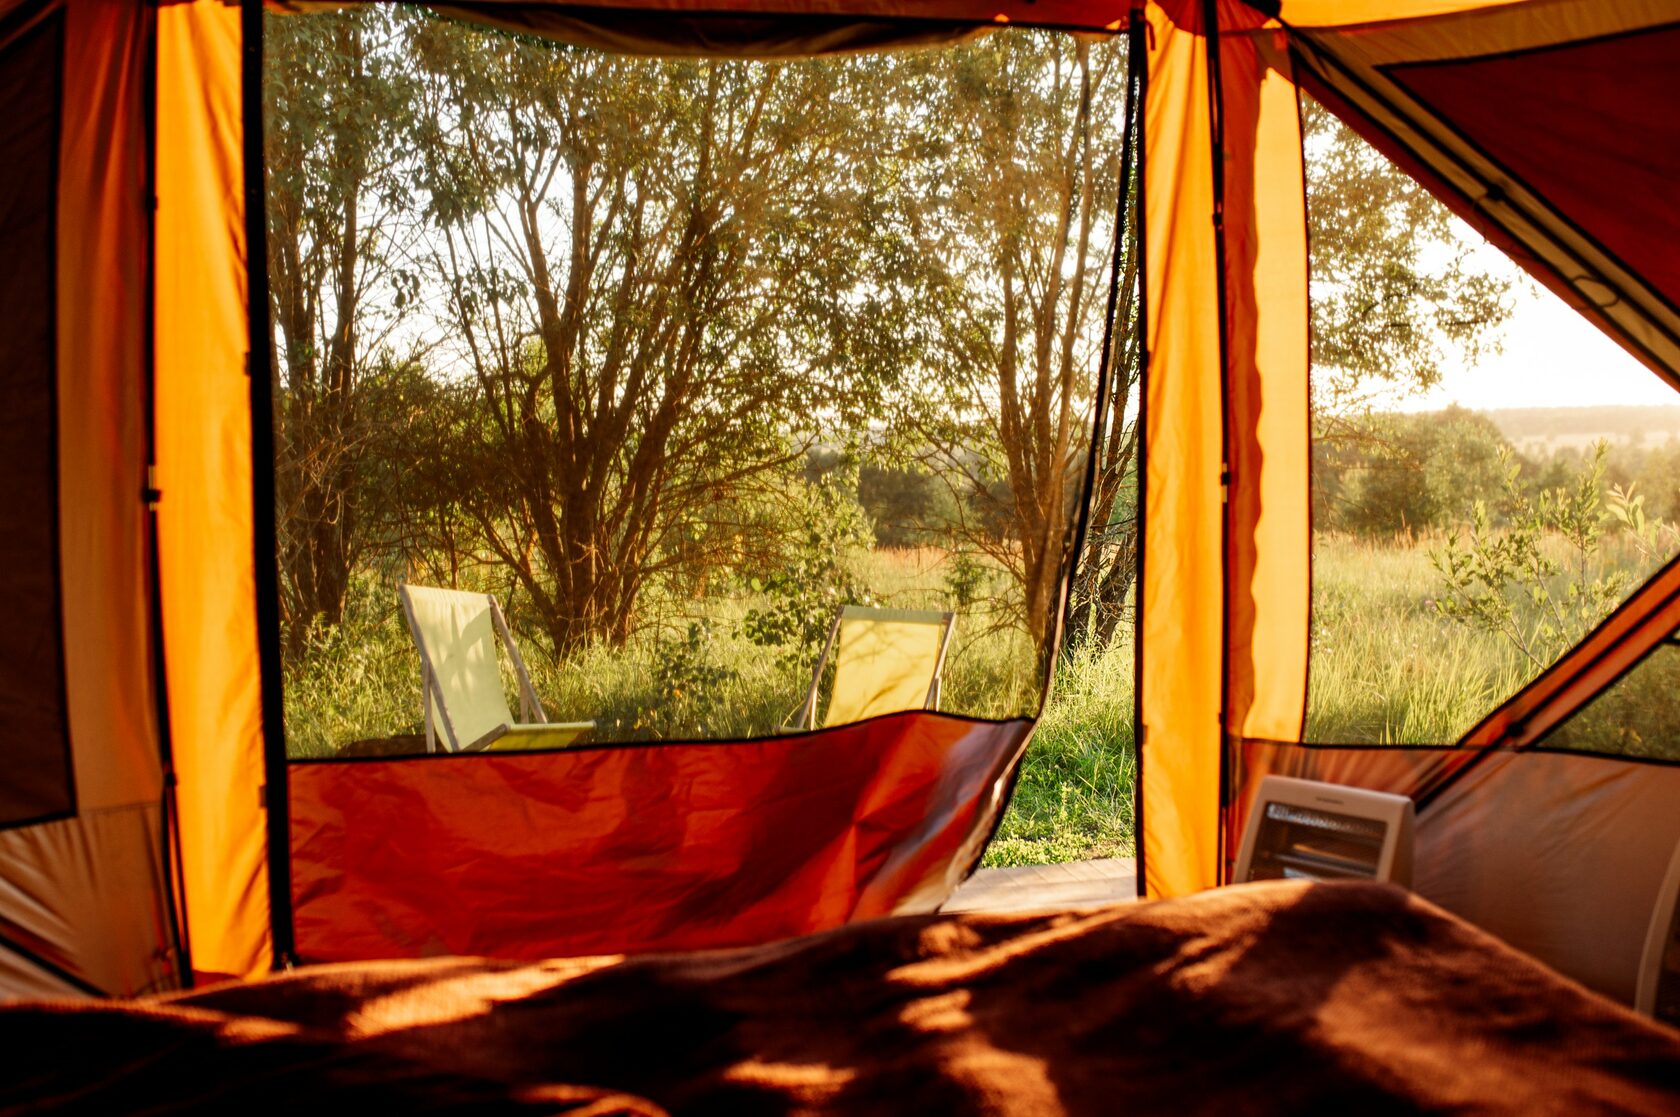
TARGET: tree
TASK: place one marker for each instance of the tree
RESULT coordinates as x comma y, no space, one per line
1395,284
907,506
652,270
1399,472
1395,279
1507,581
337,113
1022,226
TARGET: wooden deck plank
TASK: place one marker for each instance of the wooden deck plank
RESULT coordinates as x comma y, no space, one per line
1079,884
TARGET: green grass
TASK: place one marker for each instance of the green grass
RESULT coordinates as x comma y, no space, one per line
1386,668
1074,797
361,680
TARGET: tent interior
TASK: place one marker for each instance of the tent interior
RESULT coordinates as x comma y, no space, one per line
675,310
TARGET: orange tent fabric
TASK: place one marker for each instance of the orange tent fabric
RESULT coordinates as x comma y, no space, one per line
1224,598
179,835
84,901
203,412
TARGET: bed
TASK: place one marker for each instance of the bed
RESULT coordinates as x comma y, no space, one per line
1283,997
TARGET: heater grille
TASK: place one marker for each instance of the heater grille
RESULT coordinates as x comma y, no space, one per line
1300,842
1307,830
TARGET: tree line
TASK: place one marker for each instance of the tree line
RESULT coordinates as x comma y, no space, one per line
584,317
589,320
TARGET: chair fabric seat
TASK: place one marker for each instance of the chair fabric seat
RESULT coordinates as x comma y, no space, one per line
523,738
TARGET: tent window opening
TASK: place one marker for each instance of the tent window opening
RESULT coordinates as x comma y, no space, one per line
634,399
33,719
1491,477
1638,715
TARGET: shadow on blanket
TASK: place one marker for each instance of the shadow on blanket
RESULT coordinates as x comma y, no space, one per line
1274,998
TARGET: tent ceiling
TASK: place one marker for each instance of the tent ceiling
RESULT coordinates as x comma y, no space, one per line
1088,15
1545,117
768,28
1520,117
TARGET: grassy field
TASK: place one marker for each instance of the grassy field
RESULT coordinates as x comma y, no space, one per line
694,676
1386,668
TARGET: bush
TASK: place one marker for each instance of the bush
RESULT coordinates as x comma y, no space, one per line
1388,473
1541,582
813,582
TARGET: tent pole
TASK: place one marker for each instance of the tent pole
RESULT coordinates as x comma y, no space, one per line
1216,129
265,542
1137,49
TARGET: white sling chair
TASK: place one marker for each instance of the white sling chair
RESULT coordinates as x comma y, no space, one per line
885,660
461,684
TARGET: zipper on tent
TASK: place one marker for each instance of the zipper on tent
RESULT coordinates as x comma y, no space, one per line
1141,39
151,494
1216,130
264,540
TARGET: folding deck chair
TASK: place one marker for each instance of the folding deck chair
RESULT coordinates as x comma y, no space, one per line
885,660
460,682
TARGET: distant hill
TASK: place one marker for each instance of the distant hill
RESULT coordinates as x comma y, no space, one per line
1550,428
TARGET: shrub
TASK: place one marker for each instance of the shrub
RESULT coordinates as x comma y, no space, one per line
1541,582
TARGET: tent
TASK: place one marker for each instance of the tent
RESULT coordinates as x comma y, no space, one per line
152,832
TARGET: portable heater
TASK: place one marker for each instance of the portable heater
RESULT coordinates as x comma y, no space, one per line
1324,831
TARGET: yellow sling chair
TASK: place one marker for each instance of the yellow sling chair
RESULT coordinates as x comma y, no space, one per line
886,660
461,684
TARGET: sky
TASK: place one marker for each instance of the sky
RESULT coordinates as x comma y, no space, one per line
1552,358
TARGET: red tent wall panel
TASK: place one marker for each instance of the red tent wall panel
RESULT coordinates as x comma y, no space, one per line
1589,126
629,849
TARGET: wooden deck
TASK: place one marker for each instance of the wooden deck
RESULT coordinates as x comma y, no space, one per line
1080,884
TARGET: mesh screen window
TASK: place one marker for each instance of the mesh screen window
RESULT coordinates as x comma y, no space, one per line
678,358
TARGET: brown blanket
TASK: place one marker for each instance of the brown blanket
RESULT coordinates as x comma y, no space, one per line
1274,998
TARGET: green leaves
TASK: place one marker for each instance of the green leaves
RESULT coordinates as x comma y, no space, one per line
814,579
1395,280
1654,539
1541,580
1387,473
